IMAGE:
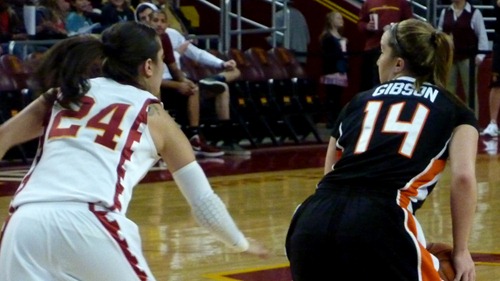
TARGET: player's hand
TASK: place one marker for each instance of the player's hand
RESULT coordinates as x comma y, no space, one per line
185,88
464,266
183,47
230,64
258,249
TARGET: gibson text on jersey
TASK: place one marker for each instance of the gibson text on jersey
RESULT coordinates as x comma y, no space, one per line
406,89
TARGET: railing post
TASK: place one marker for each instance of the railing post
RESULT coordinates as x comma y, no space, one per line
472,83
225,24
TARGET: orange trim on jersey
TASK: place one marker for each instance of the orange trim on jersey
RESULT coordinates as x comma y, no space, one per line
437,166
339,154
426,268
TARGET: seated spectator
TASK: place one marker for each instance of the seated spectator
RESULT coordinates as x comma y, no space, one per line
50,19
9,22
215,86
186,91
115,11
82,18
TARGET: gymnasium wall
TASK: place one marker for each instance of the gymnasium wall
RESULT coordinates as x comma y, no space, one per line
315,11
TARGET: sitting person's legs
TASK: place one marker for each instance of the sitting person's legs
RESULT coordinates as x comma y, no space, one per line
187,115
217,83
222,110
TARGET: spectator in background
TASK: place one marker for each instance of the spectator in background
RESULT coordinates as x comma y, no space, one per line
50,19
116,11
9,22
299,31
494,102
214,86
189,98
466,26
82,18
143,14
333,50
18,6
373,16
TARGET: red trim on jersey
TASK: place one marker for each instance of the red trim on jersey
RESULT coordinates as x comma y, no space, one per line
133,137
113,229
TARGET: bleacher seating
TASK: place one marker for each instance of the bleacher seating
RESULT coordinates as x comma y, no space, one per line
271,100
284,96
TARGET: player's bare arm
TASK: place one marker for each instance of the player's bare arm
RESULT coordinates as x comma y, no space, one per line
30,119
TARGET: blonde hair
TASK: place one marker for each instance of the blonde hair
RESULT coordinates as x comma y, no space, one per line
329,18
428,53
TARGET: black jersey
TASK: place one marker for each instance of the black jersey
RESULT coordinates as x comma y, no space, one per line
395,137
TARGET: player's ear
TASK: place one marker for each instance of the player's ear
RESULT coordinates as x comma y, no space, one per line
147,68
400,65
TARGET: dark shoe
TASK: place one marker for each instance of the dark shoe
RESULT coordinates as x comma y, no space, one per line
201,148
212,85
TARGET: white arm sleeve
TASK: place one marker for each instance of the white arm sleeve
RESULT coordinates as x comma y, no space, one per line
208,209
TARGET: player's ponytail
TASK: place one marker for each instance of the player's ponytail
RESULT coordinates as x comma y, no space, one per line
117,55
427,52
443,57
68,65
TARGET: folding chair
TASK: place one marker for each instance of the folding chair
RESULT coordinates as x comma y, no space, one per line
305,89
249,106
296,123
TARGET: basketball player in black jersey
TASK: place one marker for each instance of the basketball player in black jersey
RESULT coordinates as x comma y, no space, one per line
394,141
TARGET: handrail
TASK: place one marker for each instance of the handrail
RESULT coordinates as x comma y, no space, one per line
26,43
227,14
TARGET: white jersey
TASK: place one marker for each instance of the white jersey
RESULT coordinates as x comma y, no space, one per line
96,154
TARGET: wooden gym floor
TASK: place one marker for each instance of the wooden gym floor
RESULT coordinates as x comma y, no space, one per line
261,192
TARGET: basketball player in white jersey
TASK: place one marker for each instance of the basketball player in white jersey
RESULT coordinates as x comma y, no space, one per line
98,139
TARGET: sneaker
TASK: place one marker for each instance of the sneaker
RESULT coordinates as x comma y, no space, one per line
160,165
201,148
209,161
212,85
491,146
235,149
491,130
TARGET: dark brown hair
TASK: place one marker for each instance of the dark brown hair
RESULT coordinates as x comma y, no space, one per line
117,55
